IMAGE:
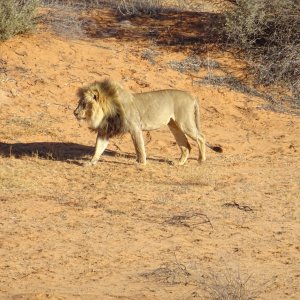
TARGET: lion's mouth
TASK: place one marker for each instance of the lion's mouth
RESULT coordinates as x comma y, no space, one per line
80,118
80,121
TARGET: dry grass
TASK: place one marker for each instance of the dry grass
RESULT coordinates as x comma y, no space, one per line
28,126
169,273
64,17
224,284
231,285
150,55
138,7
230,82
193,64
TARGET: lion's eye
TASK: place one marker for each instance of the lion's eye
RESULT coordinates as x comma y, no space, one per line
95,97
83,105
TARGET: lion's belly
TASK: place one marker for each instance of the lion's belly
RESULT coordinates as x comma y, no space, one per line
155,124
157,118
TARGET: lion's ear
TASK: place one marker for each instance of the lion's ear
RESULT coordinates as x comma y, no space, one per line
95,95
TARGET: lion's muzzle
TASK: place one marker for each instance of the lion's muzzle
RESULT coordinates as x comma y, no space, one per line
78,114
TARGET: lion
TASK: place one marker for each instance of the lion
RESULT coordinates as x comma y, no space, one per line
110,110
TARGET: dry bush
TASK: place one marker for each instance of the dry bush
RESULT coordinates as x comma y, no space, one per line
229,287
64,18
75,3
17,16
138,7
132,8
230,283
268,33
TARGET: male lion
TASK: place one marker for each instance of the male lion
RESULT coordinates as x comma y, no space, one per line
110,110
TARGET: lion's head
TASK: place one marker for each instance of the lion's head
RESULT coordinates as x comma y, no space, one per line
99,105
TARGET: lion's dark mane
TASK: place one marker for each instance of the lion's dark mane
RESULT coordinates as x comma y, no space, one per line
113,125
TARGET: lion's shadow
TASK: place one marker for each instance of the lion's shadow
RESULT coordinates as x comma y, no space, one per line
53,150
70,152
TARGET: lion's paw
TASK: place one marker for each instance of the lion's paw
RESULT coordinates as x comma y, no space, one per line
89,163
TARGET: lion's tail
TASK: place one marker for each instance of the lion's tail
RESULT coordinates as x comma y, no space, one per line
216,148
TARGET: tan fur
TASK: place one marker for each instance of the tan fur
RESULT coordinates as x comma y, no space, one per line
111,110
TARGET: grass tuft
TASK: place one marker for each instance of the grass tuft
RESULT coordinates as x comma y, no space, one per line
139,7
193,64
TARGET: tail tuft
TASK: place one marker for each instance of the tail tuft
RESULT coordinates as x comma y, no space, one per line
217,148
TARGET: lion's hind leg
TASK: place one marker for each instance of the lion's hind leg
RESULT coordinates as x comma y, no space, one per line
181,140
200,139
201,144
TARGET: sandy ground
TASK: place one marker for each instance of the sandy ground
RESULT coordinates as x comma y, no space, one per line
122,231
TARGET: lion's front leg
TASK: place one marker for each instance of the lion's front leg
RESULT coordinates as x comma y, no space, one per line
138,142
101,144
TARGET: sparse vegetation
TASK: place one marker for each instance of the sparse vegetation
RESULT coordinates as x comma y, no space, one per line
190,219
230,286
193,64
17,16
220,230
230,82
65,20
150,55
138,7
169,273
268,33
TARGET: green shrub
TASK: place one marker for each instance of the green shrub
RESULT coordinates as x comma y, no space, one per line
16,16
268,33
